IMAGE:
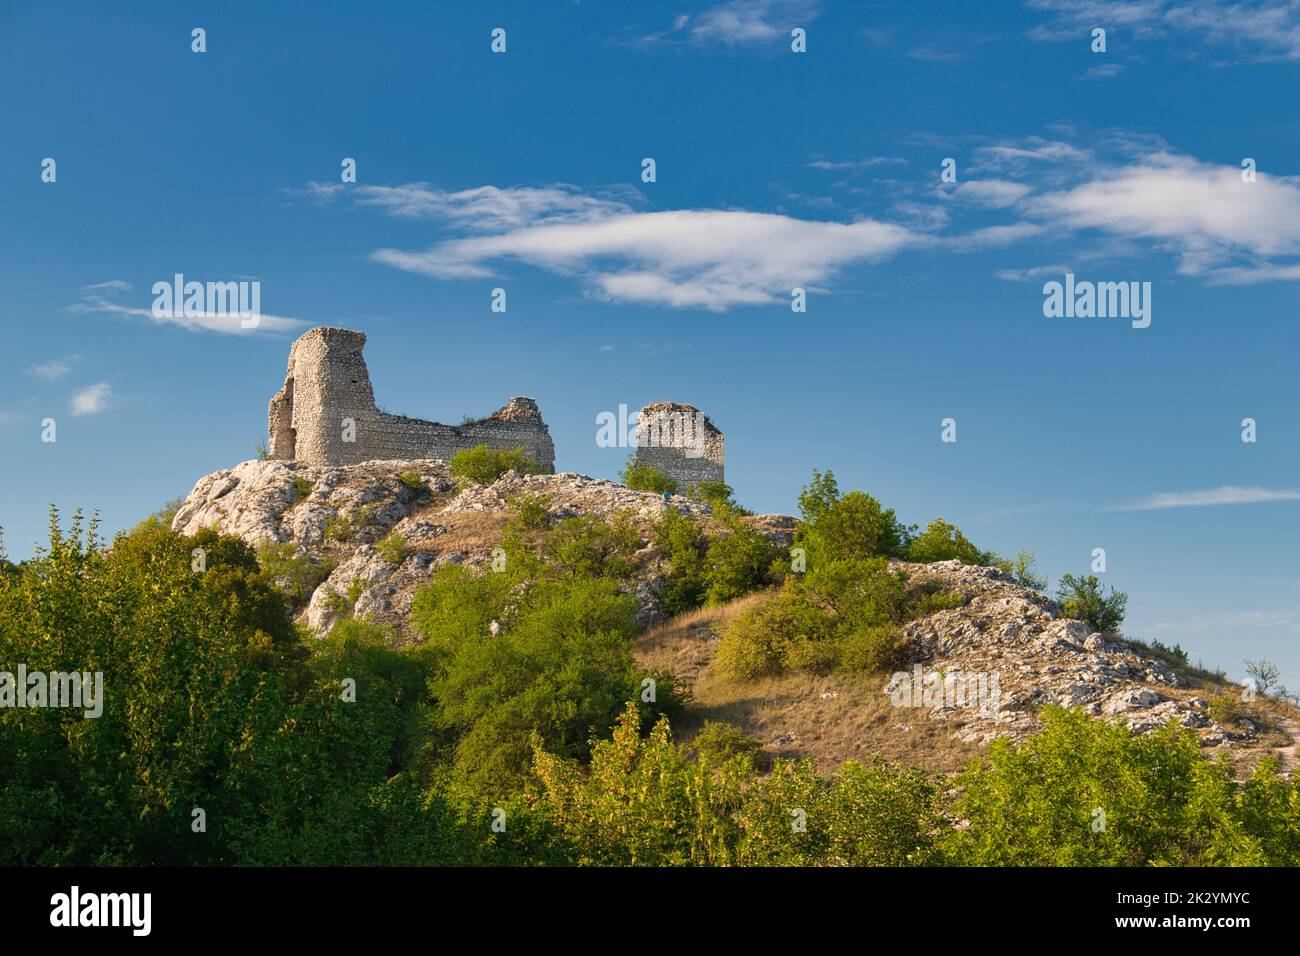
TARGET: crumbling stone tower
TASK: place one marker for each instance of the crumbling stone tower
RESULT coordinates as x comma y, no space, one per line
681,441
325,414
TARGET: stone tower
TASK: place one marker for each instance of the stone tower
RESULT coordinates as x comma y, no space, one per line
325,414
681,441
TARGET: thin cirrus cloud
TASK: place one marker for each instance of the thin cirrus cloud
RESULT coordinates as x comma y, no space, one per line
988,193
1225,495
201,321
1258,30
746,22
55,368
91,400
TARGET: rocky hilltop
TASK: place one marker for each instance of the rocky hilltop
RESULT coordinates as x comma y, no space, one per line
334,519
335,516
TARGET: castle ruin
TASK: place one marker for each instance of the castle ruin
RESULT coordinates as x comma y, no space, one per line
681,441
325,414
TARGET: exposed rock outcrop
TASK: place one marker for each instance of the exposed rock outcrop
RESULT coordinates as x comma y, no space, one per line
334,516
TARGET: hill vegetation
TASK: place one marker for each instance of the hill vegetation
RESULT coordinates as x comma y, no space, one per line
527,726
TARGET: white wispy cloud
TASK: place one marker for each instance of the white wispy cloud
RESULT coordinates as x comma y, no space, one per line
704,258
91,400
1123,196
1033,152
112,285
1261,30
55,368
1033,272
1201,211
1225,495
746,23
867,163
8,418
199,322
1102,71
988,193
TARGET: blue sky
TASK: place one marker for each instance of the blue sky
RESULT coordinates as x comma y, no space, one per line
774,169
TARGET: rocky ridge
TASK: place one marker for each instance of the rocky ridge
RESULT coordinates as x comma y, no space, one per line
336,516
1040,658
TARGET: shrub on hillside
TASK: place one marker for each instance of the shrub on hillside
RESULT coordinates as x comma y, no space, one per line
1084,792
642,476
943,541
718,742
392,548
485,465
1021,569
843,615
718,495
297,575
738,559
1082,599
684,546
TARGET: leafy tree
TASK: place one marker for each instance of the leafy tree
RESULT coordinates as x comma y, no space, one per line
1081,598
852,526
562,670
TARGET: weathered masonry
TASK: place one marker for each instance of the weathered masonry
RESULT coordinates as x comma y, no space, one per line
325,414
680,441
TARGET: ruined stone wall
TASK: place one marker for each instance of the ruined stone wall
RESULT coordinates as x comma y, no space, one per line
680,441
327,382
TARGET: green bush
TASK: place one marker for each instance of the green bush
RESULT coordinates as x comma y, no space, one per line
338,528
738,559
755,643
531,511
562,671
297,575
1081,598
943,541
1021,569
684,546
642,476
1087,793
843,615
930,600
586,546
485,465
718,742
301,487
392,548
412,480
718,495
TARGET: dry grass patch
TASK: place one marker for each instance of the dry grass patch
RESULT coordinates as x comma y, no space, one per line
831,718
